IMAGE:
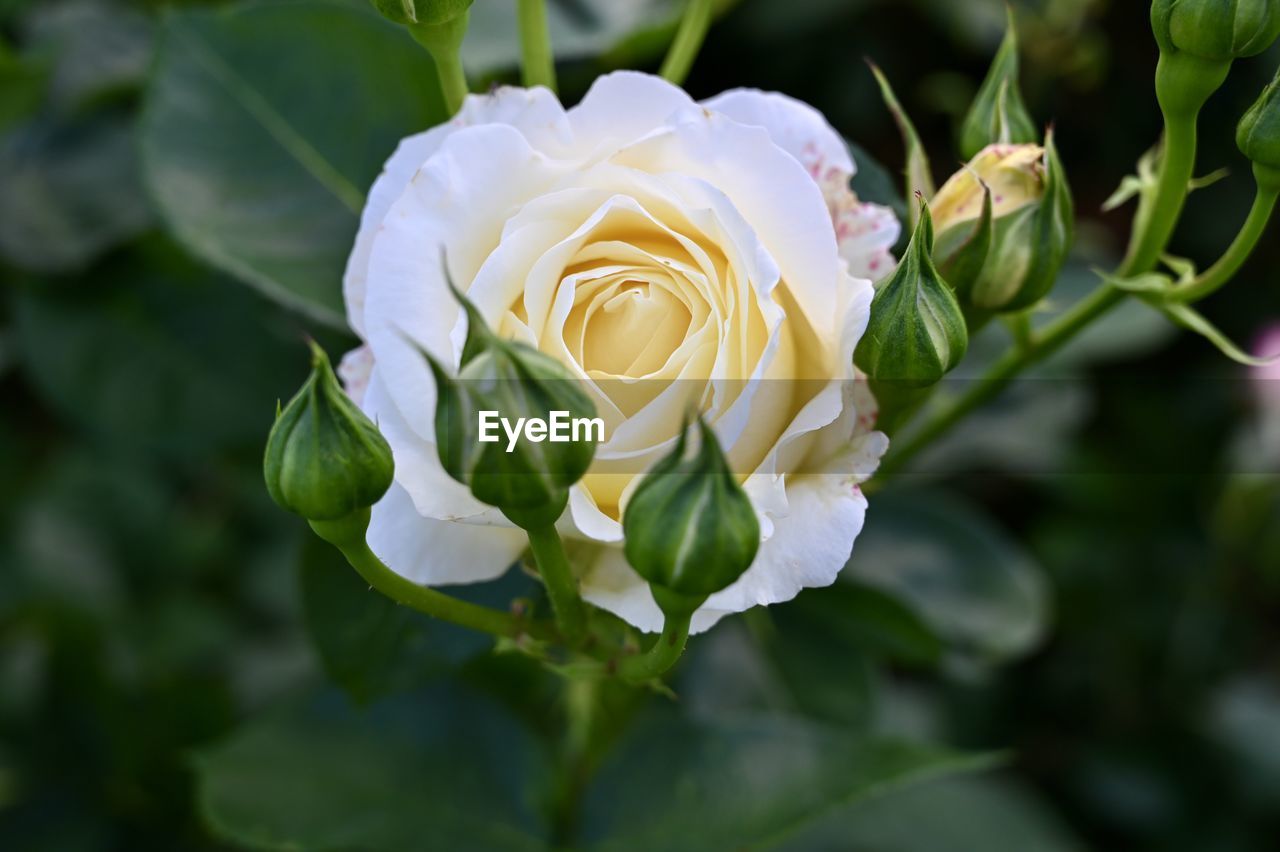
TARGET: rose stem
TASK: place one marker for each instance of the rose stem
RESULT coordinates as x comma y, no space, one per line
662,654
429,601
562,588
539,67
1146,245
688,41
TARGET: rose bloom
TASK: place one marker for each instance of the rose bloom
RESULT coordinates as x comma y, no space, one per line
673,255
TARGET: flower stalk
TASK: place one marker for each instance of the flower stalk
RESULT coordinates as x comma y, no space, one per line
557,577
688,41
444,42
348,535
538,67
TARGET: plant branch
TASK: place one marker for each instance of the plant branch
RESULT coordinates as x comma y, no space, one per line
562,588
426,600
537,61
1208,282
661,655
688,41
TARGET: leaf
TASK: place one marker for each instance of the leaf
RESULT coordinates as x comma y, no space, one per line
372,647
873,183
22,85
71,190
441,769
154,352
745,783
971,583
953,814
1192,320
918,173
263,126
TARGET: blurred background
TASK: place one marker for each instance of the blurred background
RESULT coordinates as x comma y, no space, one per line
1088,582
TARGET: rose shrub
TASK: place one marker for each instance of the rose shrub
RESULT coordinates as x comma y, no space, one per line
673,255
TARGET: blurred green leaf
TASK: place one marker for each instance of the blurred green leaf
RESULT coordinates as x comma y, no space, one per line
823,643
966,578
263,127
1245,721
744,783
98,49
71,190
22,86
155,352
370,646
873,182
962,814
439,769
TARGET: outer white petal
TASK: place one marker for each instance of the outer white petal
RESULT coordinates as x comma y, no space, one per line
457,202
534,112
808,548
866,234
620,108
795,127
433,552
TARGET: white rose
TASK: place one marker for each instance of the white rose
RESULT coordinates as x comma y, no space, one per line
667,252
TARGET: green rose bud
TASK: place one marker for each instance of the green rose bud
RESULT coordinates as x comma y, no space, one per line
998,113
325,459
1259,133
1005,225
1217,30
429,12
690,528
527,477
917,332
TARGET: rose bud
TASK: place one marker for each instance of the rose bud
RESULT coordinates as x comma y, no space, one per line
1005,225
1218,30
1259,135
998,113
429,12
1199,39
690,530
528,479
917,331
325,459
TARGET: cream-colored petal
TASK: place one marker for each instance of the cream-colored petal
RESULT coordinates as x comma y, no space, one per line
431,552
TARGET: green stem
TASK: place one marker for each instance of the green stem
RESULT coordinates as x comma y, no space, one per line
349,539
1177,166
688,41
1209,281
1153,230
444,43
1002,372
662,654
562,588
538,63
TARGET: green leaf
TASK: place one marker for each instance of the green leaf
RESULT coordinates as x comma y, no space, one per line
71,190
263,127
155,352
1192,320
372,647
873,183
957,814
918,173
441,769
968,580
744,783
